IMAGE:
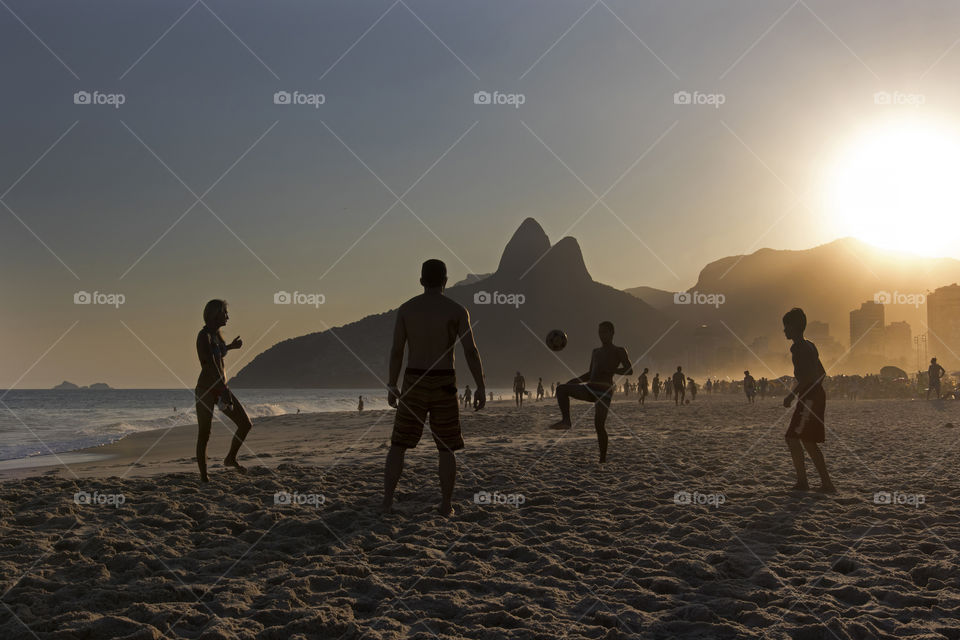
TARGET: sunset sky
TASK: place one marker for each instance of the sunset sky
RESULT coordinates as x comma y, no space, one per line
200,186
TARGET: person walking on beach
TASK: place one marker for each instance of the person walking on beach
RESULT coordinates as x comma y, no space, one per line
934,373
467,397
360,405
596,385
428,326
749,386
642,385
806,426
212,387
540,390
656,386
519,388
679,386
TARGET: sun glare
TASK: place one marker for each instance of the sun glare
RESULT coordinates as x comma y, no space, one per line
897,186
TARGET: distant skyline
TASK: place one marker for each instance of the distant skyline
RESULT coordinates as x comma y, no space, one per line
198,185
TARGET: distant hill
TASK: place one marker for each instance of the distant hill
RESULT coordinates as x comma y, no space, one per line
472,278
827,281
656,298
557,290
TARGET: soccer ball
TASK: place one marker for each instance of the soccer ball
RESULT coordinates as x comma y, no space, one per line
556,340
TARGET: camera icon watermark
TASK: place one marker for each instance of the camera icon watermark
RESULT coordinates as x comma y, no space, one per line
899,98
695,297
286,499
885,297
685,498
497,297
298,297
299,98
896,497
110,299
714,100
99,499
114,100
496,97
515,500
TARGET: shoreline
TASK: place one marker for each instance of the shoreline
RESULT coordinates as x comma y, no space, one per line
307,438
155,451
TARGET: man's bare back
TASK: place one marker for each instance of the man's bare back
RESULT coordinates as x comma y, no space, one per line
431,324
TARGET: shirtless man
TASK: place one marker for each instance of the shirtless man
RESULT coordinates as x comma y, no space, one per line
934,373
430,325
596,385
519,389
679,386
749,386
643,385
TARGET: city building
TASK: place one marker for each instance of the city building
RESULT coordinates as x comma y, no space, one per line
943,326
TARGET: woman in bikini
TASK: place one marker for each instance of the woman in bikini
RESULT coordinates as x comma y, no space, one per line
212,387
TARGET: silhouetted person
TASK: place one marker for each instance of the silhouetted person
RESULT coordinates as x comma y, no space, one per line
749,386
642,386
540,389
360,405
656,386
491,396
678,384
692,388
596,385
519,388
467,397
806,426
552,389
708,387
764,383
429,325
212,387
667,389
934,373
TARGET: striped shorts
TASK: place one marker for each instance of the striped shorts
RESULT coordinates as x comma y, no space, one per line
430,394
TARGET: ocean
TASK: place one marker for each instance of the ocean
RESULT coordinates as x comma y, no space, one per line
39,422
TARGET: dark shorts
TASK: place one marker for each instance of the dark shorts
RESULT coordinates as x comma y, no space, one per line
807,420
430,394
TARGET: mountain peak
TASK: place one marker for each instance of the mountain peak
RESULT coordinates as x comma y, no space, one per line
527,245
564,262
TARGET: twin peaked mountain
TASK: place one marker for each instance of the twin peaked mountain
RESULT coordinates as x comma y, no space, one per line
557,293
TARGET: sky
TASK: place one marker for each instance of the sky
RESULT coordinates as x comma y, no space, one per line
181,179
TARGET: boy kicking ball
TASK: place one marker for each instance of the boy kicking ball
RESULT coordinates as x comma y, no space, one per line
806,426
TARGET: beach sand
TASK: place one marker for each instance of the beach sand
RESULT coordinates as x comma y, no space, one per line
689,532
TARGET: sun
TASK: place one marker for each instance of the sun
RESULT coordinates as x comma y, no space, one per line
897,186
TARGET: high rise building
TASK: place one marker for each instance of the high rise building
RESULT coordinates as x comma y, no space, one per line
943,325
866,336
817,332
898,345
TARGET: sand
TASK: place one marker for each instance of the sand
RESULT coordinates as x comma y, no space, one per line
565,549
